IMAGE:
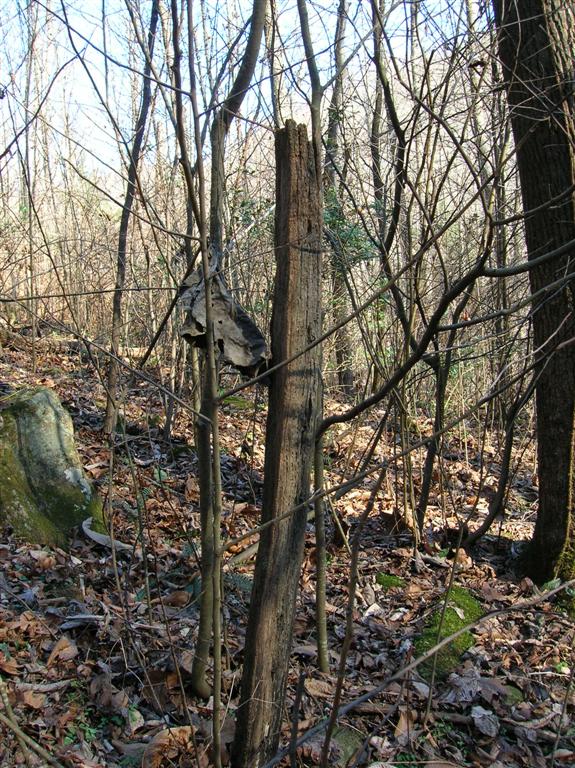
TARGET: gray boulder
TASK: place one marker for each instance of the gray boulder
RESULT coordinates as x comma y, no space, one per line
43,490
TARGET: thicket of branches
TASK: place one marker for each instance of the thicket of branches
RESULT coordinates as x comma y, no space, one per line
419,176
420,185
137,144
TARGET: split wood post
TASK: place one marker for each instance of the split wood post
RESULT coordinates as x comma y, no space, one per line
291,425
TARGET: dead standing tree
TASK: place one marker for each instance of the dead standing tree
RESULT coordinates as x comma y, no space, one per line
291,425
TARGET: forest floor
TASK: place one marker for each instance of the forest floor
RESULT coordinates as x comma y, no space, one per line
96,650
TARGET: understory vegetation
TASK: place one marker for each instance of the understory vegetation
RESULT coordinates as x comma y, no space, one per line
302,276
96,649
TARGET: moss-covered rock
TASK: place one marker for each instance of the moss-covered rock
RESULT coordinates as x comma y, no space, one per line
43,490
462,609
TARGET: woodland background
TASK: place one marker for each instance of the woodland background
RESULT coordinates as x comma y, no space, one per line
137,144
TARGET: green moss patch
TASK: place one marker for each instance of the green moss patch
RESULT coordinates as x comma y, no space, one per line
388,581
348,741
238,403
462,609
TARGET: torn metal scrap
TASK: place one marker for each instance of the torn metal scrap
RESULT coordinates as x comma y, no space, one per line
239,340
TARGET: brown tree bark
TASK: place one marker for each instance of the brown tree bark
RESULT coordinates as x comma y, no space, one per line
291,426
536,43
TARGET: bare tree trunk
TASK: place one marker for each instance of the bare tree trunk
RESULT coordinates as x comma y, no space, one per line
536,43
113,371
292,416
209,461
221,125
273,63
338,266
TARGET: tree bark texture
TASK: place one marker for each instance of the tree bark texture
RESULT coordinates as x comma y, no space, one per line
536,43
292,420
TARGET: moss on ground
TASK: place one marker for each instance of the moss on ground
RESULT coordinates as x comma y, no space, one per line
462,608
349,741
388,581
238,403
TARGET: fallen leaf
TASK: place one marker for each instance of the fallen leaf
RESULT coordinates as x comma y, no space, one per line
178,598
485,721
318,688
33,699
8,665
421,688
168,745
405,724
459,611
63,650
134,719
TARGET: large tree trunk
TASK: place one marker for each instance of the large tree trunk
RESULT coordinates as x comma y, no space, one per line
536,43
291,425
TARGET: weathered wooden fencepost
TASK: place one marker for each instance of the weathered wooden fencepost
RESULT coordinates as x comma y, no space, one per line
293,412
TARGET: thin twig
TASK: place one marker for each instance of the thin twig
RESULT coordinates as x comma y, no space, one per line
12,717
23,737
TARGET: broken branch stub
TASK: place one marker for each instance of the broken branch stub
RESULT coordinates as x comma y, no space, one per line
240,341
